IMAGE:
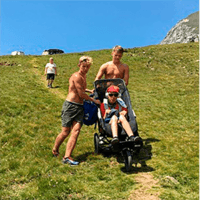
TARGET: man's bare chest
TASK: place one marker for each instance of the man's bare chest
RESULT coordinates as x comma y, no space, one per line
115,70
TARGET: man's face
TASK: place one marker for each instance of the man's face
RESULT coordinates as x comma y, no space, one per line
84,67
51,61
116,56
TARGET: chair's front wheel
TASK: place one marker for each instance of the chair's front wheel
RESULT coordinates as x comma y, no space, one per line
128,160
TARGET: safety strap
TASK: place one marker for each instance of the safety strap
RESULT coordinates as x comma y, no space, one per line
121,104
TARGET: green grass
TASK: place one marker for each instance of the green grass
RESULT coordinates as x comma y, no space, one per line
164,91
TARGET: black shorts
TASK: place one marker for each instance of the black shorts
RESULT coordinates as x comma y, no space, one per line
50,76
71,112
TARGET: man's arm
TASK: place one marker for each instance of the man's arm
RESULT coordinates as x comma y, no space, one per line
55,70
101,72
126,74
89,91
45,71
81,90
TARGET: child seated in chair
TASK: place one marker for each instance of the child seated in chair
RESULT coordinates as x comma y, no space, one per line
113,114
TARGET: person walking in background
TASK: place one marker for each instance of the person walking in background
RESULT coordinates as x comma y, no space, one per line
114,69
73,112
50,71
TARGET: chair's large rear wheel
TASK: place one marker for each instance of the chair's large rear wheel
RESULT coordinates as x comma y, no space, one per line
96,143
128,160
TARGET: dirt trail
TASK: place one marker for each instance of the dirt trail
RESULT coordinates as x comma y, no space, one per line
146,188
52,90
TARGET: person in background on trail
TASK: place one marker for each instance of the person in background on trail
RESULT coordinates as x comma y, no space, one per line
50,71
114,69
113,114
73,112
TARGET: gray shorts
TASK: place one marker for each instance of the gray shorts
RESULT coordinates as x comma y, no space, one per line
71,112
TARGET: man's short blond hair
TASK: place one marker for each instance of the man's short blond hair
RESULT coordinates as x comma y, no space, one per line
51,58
118,49
87,59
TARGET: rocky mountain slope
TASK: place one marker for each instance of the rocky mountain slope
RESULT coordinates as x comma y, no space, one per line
186,30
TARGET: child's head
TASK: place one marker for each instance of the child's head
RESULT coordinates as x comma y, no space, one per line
51,60
112,93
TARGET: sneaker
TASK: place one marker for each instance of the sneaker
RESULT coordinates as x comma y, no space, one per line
134,138
70,161
115,140
131,138
137,141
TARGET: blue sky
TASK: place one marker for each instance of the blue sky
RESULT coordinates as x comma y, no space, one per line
77,26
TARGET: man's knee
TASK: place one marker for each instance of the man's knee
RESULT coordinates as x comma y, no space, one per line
65,131
76,132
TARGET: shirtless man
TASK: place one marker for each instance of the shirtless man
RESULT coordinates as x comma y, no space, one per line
114,69
72,112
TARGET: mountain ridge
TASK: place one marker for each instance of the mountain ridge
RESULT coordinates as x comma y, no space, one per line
185,31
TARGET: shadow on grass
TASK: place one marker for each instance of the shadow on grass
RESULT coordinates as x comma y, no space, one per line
84,157
150,140
135,170
144,155
55,87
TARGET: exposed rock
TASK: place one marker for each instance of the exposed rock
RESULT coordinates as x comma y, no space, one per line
14,53
186,30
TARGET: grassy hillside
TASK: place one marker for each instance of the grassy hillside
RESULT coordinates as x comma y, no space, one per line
164,91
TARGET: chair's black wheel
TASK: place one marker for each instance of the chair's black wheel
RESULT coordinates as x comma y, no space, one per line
96,143
128,160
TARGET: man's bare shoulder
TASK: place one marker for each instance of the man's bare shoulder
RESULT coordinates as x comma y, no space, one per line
75,77
124,65
106,64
